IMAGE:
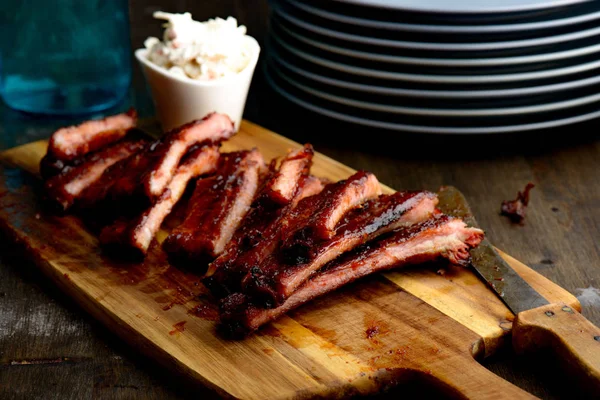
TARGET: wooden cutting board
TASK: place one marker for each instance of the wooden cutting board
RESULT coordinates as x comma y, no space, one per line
379,332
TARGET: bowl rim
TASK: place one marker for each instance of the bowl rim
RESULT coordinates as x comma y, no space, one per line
140,54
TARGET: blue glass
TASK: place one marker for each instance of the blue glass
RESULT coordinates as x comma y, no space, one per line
64,56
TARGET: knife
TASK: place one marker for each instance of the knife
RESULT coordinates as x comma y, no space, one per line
538,323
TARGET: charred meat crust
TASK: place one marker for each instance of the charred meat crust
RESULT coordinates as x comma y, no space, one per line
76,141
438,237
135,235
64,189
225,273
217,209
51,166
283,272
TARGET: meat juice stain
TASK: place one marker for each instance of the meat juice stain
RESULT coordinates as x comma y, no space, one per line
372,331
204,311
181,286
268,351
178,328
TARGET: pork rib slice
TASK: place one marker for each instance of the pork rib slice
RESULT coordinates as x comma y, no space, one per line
64,189
151,172
339,198
225,273
283,272
216,209
76,141
281,187
137,234
440,237
98,192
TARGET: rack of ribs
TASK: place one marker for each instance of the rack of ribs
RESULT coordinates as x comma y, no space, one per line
440,237
64,189
255,236
337,197
301,256
149,174
216,208
134,236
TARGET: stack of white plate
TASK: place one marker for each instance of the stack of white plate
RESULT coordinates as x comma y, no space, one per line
439,66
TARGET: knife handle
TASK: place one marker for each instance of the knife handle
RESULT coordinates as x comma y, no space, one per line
565,332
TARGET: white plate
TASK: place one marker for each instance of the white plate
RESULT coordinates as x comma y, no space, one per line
399,44
439,94
464,6
438,112
431,129
451,79
444,62
552,23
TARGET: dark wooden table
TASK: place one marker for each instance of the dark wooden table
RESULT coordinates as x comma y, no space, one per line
49,348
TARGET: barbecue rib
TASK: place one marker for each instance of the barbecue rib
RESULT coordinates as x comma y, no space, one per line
329,204
277,277
217,208
137,234
51,166
75,141
65,188
339,198
439,237
283,184
150,172
97,194
259,240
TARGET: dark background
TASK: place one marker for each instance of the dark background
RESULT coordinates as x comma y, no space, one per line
49,348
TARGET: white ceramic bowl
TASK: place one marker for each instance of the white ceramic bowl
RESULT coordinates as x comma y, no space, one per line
179,99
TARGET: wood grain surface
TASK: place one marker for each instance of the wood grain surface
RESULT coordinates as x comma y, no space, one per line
320,349
565,332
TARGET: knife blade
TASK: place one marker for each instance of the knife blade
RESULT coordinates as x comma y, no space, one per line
513,290
538,324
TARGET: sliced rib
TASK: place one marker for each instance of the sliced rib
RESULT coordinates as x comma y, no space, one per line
75,141
98,193
64,189
137,234
216,209
283,272
150,173
441,237
339,198
260,240
282,186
